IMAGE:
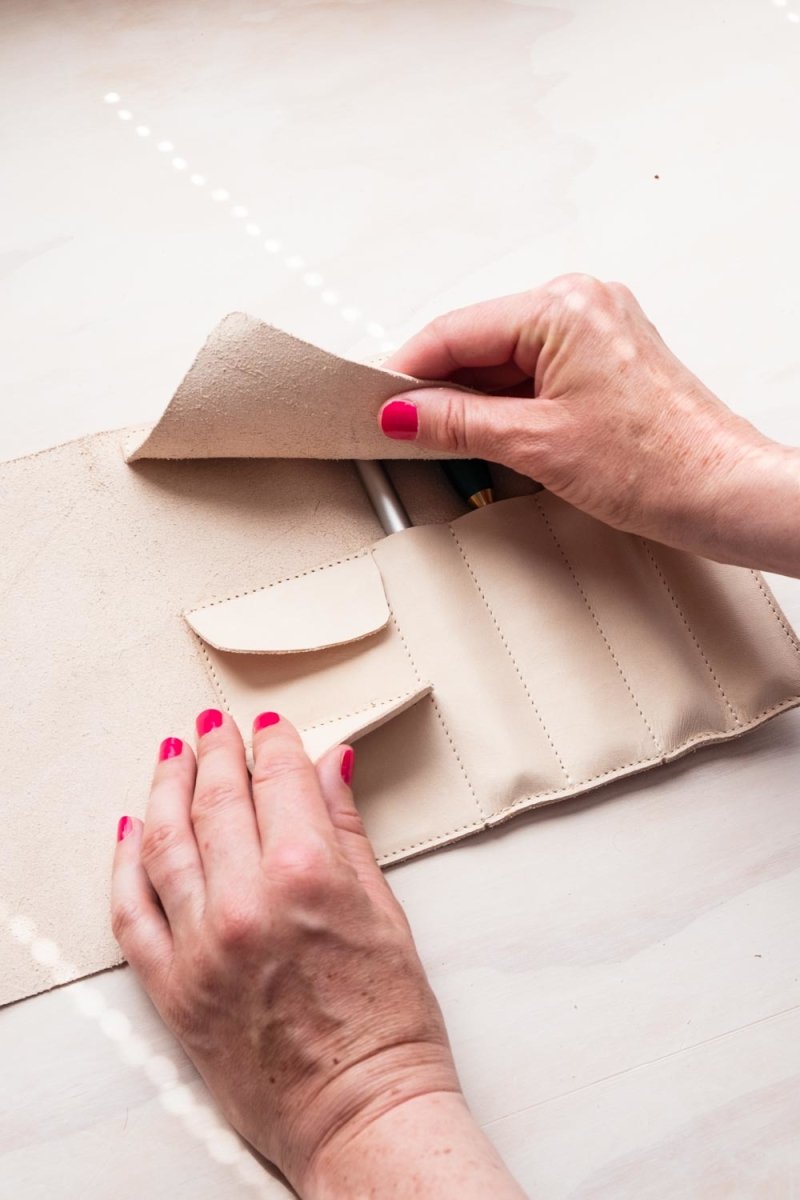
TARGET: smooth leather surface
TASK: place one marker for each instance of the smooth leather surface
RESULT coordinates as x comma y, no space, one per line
559,654
308,612
526,653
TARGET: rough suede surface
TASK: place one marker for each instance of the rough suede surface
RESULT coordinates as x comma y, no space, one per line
256,392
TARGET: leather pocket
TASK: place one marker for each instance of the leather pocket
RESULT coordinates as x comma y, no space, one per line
316,647
554,653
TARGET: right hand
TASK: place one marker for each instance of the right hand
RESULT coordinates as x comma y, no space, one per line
587,399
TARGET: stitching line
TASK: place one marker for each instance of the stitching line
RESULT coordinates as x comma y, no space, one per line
557,793
336,562
649,551
438,712
553,793
777,613
508,651
375,705
214,677
599,627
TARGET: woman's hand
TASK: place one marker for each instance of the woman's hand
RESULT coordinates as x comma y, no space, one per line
257,919
588,400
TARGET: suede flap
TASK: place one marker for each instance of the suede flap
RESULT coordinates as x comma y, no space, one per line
256,392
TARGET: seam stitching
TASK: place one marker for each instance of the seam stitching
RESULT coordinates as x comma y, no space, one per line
214,677
649,551
510,654
265,587
438,712
553,794
568,792
373,705
598,626
776,612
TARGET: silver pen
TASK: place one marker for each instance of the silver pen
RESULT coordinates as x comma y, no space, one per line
387,504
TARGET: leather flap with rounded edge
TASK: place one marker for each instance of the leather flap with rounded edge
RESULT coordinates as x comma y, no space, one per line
326,606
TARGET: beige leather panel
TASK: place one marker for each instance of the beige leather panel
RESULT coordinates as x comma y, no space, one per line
314,610
720,608
669,689
551,635
354,725
559,654
486,708
314,688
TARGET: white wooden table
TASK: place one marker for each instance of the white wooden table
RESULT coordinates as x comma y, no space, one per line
619,974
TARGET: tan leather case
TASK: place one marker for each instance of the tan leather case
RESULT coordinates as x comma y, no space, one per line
506,659
487,663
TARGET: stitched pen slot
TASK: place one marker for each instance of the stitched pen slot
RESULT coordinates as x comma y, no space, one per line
491,719
723,606
557,653
549,633
660,642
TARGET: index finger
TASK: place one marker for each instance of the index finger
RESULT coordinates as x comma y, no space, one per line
487,334
286,792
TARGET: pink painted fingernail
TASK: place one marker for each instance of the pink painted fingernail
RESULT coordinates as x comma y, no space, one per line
347,764
399,420
210,718
264,719
124,828
170,748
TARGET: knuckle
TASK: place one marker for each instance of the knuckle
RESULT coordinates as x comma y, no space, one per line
236,925
301,868
348,820
280,766
590,289
573,281
576,292
214,796
160,842
620,291
453,422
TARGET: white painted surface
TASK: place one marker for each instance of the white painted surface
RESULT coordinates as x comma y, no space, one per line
620,974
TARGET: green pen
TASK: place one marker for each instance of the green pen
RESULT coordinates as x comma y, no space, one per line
471,479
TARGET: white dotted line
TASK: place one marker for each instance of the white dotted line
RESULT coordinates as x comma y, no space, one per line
271,245
221,1143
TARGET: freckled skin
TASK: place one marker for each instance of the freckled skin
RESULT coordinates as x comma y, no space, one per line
287,1014
281,960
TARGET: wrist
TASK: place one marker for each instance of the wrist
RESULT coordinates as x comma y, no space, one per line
754,518
427,1145
350,1109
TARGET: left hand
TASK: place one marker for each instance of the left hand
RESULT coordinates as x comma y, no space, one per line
262,928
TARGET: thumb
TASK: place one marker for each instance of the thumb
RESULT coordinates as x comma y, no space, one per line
458,422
